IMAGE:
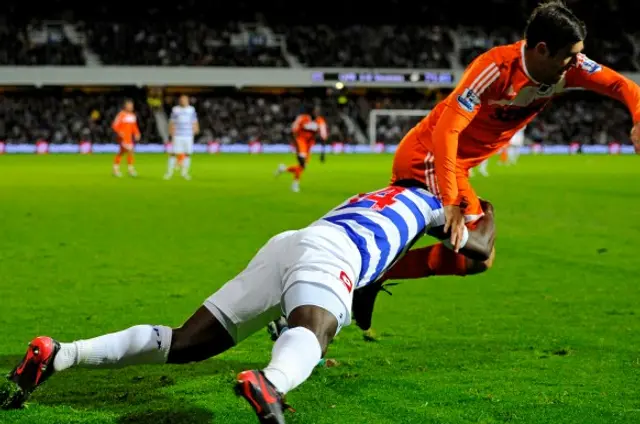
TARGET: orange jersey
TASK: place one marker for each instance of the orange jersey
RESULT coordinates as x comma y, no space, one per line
126,126
494,99
305,130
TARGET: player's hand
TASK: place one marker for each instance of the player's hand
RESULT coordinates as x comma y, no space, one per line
454,222
127,146
635,137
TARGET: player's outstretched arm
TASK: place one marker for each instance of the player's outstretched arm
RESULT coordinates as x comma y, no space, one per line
603,80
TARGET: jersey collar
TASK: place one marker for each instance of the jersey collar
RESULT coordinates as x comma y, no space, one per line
524,63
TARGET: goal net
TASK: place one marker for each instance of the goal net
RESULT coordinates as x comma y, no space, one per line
388,126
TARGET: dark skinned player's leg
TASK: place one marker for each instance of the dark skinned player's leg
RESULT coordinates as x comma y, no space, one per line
200,337
298,350
239,308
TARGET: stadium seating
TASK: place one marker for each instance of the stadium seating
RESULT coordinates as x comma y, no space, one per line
266,118
192,33
387,46
60,117
186,43
24,46
72,117
582,117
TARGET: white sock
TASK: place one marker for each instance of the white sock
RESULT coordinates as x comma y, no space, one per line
172,164
483,166
132,168
293,358
186,163
141,344
512,153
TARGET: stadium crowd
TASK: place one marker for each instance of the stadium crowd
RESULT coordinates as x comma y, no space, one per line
66,117
192,33
63,117
266,117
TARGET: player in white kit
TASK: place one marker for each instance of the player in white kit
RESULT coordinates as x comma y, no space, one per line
309,275
183,127
511,157
513,150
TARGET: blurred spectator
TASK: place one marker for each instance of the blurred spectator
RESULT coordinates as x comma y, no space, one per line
401,34
37,46
579,116
361,46
67,117
240,117
266,118
184,43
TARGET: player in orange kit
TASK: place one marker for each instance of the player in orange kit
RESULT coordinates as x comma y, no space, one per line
126,128
305,129
500,92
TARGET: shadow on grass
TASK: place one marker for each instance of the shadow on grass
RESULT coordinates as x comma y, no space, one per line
136,394
185,415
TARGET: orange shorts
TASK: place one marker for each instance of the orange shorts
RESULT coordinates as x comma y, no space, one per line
125,147
303,149
412,161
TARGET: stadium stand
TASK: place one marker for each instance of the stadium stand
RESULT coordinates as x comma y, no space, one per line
191,33
265,117
386,46
33,45
62,117
187,43
580,116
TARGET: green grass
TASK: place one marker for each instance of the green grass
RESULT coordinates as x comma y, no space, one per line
550,335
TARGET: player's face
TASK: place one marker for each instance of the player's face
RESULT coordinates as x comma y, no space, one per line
556,66
184,101
128,106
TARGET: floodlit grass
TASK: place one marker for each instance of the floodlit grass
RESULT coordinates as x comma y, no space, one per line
550,335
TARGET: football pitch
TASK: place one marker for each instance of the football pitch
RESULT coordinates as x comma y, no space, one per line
551,334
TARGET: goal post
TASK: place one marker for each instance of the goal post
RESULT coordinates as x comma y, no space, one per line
376,114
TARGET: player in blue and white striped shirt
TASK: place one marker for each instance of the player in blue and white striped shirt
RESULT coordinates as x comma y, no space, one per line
183,126
309,274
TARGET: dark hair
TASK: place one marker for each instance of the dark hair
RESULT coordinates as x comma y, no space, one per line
554,24
127,100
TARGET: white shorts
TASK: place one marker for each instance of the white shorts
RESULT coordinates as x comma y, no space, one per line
517,140
312,266
182,145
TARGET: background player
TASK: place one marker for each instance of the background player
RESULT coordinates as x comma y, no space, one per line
126,128
508,155
511,153
306,128
309,274
183,126
500,92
